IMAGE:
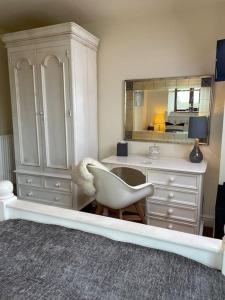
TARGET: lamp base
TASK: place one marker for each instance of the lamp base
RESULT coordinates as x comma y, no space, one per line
196,155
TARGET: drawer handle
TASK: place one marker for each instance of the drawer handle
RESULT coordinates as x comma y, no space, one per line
29,194
29,181
58,184
170,211
171,179
171,195
170,226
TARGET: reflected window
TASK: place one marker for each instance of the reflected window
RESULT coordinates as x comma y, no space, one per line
187,99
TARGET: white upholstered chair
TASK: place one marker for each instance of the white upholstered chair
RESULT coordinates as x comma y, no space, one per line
113,193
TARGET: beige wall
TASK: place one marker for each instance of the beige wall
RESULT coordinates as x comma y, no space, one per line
173,44
5,106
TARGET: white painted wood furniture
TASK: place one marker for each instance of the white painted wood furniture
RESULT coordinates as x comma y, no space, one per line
178,190
208,251
54,102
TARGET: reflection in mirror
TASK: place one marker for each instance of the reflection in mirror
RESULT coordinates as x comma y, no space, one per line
159,109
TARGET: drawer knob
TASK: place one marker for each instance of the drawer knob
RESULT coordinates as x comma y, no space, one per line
170,211
57,198
171,195
171,179
58,184
170,226
29,181
29,194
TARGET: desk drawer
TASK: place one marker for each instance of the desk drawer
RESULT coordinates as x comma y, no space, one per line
57,184
30,180
45,197
175,196
173,179
179,226
172,211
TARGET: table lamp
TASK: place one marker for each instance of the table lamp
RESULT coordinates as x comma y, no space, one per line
198,129
159,122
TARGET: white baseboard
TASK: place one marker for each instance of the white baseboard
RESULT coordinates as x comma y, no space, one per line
208,220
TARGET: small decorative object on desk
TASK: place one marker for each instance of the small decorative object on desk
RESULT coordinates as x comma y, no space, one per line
154,151
122,149
198,129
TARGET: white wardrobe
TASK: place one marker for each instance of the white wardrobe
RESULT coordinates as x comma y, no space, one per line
53,81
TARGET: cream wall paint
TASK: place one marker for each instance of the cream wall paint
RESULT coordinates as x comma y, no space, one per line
159,46
5,104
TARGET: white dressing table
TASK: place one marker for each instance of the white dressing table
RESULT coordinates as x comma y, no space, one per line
178,196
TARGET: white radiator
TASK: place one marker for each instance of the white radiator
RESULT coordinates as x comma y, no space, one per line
7,164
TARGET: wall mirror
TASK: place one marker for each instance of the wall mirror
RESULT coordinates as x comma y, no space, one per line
159,109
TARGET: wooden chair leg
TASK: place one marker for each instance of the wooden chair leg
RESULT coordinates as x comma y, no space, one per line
99,210
105,211
121,214
140,211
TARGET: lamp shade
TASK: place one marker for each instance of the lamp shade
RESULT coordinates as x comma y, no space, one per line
198,127
159,119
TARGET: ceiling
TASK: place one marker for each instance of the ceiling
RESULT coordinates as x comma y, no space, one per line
23,14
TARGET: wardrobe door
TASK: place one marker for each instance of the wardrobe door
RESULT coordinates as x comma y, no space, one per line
54,82
25,106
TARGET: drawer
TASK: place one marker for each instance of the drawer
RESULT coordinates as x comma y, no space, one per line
173,179
45,197
29,180
175,196
188,214
172,225
57,184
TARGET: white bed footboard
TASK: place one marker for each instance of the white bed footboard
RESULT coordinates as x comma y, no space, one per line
208,251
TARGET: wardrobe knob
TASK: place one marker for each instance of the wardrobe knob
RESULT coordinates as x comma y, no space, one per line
171,179
170,211
171,195
58,184
29,194
170,226
41,113
29,181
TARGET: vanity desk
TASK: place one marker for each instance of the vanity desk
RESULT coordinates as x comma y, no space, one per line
178,190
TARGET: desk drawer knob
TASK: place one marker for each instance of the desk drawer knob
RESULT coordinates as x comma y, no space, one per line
58,184
29,181
170,211
170,226
171,179
171,195
29,194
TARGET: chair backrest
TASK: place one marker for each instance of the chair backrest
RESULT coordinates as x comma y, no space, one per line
112,191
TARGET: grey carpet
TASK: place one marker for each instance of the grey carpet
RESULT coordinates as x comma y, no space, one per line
40,261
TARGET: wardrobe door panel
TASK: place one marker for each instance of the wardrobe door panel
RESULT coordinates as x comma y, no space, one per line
25,109
55,95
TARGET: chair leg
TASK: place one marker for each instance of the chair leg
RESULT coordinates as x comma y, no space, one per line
99,210
140,211
120,214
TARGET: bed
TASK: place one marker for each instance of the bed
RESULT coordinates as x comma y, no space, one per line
54,253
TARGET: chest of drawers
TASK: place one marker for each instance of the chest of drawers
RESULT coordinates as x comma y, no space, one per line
56,191
178,190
